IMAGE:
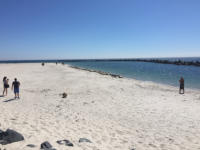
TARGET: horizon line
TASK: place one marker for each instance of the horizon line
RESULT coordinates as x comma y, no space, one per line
94,58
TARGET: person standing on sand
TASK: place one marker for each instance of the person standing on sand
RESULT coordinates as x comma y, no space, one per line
16,85
181,81
5,85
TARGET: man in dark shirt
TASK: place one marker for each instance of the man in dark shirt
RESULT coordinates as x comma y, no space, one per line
16,85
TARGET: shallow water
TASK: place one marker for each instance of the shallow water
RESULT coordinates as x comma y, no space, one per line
146,71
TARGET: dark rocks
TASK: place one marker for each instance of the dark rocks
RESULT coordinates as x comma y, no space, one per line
65,142
46,146
10,136
99,72
115,76
84,140
64,95
31,145
162,61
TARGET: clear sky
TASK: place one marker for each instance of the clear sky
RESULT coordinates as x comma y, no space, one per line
63,29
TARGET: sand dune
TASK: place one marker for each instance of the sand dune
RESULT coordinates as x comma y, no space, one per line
113,113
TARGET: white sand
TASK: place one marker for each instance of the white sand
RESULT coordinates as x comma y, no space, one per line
115,114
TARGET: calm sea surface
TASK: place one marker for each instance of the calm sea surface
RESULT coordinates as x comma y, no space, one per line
146,71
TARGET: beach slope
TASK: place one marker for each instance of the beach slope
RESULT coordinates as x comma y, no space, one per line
113,113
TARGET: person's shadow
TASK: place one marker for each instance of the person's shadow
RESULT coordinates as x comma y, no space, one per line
9,100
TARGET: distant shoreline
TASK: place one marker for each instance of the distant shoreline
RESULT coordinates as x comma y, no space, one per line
178,61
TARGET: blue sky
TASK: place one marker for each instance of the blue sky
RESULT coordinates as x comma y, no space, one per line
63,29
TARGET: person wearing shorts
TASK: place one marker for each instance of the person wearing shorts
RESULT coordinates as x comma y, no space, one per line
16,85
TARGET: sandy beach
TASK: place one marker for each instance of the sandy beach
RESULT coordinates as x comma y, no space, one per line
113,113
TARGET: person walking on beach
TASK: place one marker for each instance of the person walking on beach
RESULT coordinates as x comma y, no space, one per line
16,85
5,85
181,81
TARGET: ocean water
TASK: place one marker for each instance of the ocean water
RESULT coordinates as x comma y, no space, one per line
160,73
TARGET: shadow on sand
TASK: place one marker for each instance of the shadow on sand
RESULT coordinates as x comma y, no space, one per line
9,100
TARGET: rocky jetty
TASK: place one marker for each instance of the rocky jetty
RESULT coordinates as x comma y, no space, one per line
99,72
163,61
177,62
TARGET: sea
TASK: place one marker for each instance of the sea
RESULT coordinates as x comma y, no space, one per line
146,71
